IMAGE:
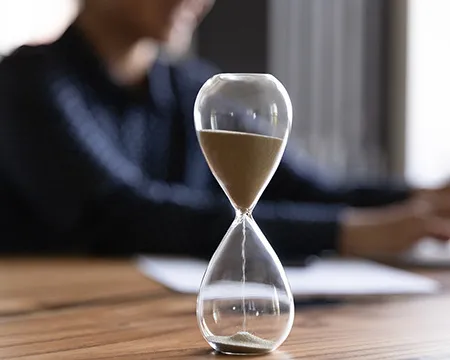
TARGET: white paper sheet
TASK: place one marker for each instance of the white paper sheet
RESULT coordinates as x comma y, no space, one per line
321,278
430,253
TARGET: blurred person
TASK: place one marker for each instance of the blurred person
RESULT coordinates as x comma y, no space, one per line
98,153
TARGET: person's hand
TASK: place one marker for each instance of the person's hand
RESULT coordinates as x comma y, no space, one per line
391,230
442,190
437,202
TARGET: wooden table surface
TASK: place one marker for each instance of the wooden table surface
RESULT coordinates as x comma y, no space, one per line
96,309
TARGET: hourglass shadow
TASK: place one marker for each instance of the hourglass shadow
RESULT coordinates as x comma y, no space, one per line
207,354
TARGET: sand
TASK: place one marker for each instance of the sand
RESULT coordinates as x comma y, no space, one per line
242,163
241,343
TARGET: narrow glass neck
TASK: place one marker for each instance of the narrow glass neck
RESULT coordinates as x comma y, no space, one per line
242,214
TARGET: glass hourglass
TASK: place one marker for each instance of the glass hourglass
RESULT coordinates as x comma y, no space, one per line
245,304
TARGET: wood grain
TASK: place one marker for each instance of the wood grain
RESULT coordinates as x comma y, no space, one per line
163,326
37,284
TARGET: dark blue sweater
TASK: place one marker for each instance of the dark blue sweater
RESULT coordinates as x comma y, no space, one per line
88,166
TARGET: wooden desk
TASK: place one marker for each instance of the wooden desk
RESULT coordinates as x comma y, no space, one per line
80,309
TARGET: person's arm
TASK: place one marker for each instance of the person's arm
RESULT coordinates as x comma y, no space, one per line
64,170
62,166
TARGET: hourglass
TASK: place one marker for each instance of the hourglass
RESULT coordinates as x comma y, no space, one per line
245,304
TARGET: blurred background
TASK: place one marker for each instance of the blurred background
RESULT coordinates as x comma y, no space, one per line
368,78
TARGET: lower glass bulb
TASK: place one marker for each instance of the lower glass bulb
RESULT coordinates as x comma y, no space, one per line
245,305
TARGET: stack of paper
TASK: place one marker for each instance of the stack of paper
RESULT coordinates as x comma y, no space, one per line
321,278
